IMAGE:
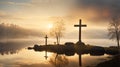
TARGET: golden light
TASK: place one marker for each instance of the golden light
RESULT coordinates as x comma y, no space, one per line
50,26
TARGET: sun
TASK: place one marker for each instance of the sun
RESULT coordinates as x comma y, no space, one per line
50,26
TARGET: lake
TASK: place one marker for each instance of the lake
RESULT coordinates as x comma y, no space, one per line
14,53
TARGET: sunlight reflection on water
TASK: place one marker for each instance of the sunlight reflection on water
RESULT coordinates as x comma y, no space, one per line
15,54
36,59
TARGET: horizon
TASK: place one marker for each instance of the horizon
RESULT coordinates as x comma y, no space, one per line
59,33
39,14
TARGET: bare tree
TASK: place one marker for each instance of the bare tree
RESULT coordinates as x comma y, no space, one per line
114,29
59,61
57,30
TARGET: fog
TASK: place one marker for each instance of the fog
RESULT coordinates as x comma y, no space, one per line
15,31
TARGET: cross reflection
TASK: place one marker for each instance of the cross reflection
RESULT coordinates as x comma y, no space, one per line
80,60
46,55
46,45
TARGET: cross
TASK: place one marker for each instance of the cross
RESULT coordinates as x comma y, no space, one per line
46,40
80,25
46,45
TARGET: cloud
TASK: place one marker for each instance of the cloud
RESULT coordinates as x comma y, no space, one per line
88,34
111,5
35,12
95,34
43,8
91,10
18,4
95,10
15,31
6,16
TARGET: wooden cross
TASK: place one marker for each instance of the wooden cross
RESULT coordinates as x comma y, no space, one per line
46,45
80,25
46,40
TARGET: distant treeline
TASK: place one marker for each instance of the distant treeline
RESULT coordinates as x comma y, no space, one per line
15,31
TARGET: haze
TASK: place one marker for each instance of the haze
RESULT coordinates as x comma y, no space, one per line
39,14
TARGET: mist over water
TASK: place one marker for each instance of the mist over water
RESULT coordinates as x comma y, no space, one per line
14,53
41,41
95,42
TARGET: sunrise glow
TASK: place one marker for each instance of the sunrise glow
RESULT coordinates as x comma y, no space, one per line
50,26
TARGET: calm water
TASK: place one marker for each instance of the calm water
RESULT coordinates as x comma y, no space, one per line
15,54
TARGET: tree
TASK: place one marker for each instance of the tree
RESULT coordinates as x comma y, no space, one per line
114,29
59,61
57,30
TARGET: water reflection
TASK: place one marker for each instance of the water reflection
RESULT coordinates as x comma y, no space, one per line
14,54
7,48
46,55
59,61
80,61
65,50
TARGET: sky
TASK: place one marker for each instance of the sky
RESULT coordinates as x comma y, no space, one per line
39,14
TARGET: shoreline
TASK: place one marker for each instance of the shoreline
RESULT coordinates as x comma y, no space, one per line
113,62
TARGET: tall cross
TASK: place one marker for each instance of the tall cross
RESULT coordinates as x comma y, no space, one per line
80,25
46,45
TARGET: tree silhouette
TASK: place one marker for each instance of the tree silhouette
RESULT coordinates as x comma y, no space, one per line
114,29
59,61
57,30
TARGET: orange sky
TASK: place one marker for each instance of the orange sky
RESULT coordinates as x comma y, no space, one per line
38,14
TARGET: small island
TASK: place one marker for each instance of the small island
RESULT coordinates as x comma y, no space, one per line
70,48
